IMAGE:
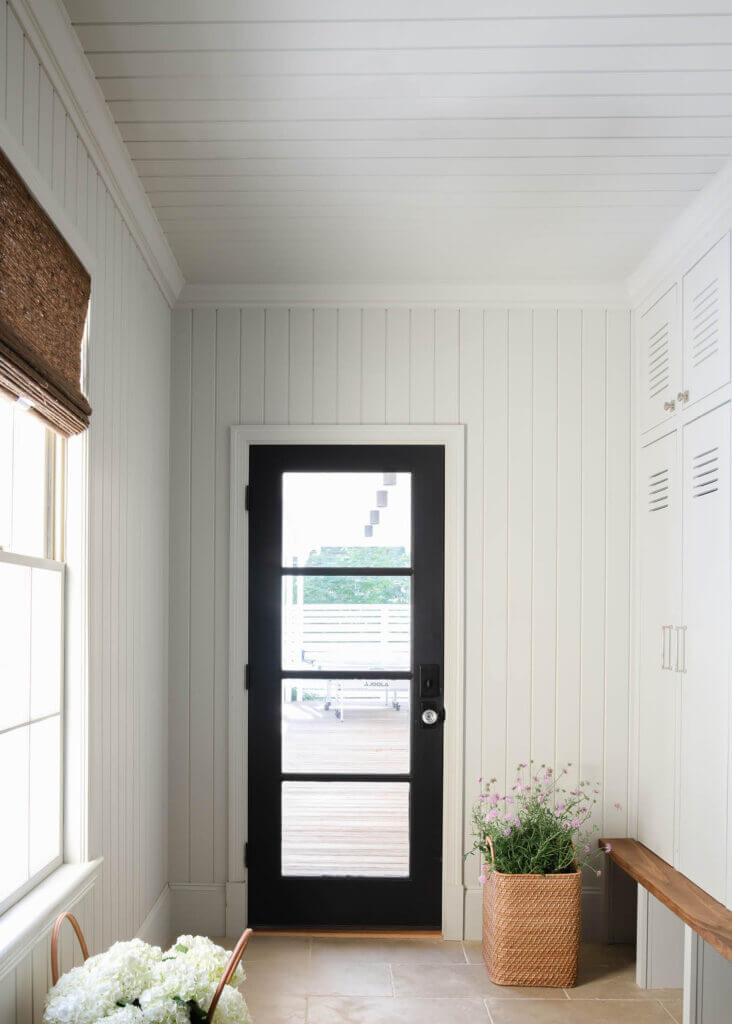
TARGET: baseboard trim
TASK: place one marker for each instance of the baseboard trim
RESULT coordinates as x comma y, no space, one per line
156,929
198,908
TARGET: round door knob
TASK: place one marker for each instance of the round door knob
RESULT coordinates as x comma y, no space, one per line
429,716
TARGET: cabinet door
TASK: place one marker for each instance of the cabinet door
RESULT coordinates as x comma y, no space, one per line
706,332
660,600
704,685
659,358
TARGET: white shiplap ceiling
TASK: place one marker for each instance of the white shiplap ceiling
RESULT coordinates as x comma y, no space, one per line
415,141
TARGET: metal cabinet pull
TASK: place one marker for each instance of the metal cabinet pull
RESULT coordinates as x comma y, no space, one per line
680,630
669,406
683,396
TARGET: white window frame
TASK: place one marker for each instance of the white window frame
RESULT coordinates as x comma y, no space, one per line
31,562
54,542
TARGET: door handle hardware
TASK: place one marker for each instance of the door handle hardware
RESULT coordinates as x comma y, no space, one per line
665,666
669,406
430,715
683,396
680,635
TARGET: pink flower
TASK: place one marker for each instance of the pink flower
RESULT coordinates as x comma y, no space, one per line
481,877
599,873
507,831
618,807
560,807
493,813
576,823
494,798
608,847
587,847
480,778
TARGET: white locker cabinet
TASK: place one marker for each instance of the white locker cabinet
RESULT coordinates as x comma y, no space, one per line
703,654
660,538
706,324
659,353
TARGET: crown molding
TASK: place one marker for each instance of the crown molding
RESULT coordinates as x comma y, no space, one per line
47,25
699,225
541,295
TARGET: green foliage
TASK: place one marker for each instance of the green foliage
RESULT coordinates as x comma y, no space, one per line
538,828
357,589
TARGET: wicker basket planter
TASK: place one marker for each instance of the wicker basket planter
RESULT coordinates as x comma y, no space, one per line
531,928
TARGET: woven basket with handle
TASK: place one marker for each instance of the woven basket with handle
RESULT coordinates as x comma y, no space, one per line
531,928
231,966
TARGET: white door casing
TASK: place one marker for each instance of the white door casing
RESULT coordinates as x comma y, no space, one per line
452,437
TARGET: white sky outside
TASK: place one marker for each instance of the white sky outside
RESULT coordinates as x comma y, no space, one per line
331,510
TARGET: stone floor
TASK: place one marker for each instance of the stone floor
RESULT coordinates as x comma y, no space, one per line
303,980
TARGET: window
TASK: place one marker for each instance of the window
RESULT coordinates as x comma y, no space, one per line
31,649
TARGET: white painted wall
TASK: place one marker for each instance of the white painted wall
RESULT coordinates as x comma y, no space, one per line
129,389
544,394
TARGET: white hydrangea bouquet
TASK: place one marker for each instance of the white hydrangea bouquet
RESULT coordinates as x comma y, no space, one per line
134,983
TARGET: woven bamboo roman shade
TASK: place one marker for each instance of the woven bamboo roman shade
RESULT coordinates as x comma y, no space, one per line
44,295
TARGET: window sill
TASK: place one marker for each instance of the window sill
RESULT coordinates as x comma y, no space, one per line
22,925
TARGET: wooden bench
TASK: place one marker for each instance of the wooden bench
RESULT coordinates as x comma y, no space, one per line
708,918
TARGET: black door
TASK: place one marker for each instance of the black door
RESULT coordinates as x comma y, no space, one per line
345,685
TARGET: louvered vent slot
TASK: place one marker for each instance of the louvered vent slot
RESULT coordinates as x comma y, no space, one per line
658,491
705,473
705,323
658,361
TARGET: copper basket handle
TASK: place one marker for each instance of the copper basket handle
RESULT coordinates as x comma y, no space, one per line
54,941
228,974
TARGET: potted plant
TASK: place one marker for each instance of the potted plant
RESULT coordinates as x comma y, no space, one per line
534,842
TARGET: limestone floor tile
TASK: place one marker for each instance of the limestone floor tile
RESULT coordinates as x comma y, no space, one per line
473,952
578,1011
674,1007
458,980
277,949
341,1010
603,981
273,1008
325,979
387,951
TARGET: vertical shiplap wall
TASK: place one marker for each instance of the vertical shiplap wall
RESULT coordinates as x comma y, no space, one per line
544,395
23,989
129,389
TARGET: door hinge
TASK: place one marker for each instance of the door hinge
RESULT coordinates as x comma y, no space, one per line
246,855
248,498
247,678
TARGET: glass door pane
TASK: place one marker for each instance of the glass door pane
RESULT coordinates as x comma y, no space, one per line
346,726
346,623
346,519
345,828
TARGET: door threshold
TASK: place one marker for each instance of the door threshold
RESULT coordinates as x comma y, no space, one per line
354,932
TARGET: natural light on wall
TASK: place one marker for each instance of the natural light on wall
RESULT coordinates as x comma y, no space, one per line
31,653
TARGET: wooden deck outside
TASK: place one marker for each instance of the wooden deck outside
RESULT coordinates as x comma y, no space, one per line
345,828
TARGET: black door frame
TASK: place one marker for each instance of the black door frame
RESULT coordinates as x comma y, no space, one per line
371,901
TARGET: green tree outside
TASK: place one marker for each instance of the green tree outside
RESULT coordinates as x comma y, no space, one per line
357,589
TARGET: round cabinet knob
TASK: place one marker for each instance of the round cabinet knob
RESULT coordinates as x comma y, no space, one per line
429,716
